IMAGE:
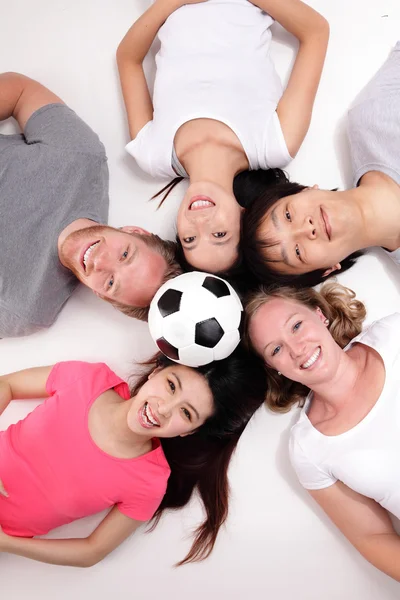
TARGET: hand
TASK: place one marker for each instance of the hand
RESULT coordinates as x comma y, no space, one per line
3,491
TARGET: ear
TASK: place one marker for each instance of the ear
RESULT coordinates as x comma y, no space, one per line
336,267
315,187
134,229
320,314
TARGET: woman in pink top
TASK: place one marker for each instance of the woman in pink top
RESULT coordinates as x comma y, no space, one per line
93,444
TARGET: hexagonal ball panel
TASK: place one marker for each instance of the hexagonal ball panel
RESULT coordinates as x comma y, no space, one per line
208,333
170,302
195,356
168,349
228,313
178,330
216,286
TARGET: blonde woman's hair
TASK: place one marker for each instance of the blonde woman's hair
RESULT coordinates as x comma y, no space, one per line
339,305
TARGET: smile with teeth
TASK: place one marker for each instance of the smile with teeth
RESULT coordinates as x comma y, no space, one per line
147,417
88,253
309,363
201,203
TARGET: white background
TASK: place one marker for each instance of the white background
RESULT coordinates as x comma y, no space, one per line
277,543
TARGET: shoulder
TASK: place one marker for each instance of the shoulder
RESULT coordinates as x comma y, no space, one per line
57,125
82,376
383,333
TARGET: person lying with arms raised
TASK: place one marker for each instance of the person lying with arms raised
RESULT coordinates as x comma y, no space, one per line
218,106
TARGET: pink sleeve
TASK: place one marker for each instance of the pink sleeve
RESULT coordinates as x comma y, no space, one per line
65,374
146,499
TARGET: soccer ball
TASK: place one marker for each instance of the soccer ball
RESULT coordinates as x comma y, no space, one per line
195,318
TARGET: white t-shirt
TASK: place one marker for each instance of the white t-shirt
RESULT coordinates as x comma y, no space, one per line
367,457
214,62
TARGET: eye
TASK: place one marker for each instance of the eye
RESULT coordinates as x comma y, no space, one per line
287,215
276,350
297,250
187,414
297,326
125,254
190,239
219,234
171,386
110,283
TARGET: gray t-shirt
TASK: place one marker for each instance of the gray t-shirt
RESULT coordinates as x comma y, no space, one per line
54,173
374,123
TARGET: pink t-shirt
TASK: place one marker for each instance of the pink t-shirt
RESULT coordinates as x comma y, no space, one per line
53,471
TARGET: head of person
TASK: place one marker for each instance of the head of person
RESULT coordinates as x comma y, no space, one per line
198,414
300,333
293,234
208,225
123,266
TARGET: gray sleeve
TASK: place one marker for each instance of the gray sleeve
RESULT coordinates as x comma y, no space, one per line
11,325
374,123
56,125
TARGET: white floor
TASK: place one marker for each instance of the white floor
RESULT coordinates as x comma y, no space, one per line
276,544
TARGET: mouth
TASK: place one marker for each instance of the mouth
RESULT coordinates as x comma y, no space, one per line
87,253
147,418
312,360
200,203
327,226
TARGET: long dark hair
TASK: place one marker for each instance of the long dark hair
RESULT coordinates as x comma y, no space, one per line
200,461
259,191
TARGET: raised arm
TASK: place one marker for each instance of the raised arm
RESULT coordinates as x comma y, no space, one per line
21,96
365,524
312,30
29,383
76,552
130,55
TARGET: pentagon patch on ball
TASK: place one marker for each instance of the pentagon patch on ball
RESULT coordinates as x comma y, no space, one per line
195,318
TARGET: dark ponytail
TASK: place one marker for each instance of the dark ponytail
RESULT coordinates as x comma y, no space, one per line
201,460
167,189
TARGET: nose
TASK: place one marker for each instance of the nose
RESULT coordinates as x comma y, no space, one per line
308,229
164,407
296,348
102,259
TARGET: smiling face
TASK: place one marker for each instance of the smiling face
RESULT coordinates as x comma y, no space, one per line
115,263
294,340
309,230
175,401
209,227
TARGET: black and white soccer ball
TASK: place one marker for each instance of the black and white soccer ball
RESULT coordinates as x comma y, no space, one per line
195,318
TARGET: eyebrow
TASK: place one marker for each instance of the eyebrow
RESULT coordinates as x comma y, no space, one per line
275,221
180,387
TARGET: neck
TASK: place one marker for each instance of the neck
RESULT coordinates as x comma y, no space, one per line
334,393
213,162
381,227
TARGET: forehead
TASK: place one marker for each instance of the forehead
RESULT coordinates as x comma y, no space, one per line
270,319
195,388
214,258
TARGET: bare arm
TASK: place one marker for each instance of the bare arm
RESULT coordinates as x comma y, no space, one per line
21,96
365,524
76,552
312,30
130,55
29,383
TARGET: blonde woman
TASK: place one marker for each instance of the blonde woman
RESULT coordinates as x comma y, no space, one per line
346,442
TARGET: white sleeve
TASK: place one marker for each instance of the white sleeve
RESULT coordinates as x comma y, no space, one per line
310,475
